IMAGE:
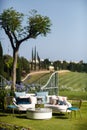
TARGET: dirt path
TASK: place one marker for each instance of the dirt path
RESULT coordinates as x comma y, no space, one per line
36,72
43,71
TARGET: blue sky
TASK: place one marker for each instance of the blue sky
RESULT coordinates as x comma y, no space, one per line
68,37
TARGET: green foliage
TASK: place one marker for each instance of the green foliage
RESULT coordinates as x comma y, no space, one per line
38,24
1,50
8,61
18,75
46,64
72,66
11,20
24,64
3,93
1,60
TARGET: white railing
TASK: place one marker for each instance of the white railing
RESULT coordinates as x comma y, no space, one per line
52,84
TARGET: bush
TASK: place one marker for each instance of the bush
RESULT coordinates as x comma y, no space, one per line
3,93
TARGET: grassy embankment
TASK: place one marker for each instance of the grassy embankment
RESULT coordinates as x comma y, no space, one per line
70,84
73,85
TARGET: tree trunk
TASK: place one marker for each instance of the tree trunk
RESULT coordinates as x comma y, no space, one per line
15,55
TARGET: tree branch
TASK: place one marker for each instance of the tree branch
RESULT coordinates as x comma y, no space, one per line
10,37
24,39
16,40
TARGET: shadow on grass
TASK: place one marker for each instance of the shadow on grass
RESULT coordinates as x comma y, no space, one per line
60,115
3,114
21,116
15,114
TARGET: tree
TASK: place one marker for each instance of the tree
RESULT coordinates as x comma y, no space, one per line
38,58
1,60
18,71
32,60
35,58
11,22
24,65
8,60
64,65
47,63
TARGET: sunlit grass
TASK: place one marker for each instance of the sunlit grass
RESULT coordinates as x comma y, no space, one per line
74,94
73,80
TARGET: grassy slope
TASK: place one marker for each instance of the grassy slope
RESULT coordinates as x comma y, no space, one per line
71,84
38,78
74,80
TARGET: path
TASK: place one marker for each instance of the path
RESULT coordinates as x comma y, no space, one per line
43,71
35,72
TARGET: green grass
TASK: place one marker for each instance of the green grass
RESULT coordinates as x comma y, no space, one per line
74,94
74,80
73,85
58,121
40,78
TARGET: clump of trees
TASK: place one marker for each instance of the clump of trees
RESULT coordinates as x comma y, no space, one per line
72,66
22,67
